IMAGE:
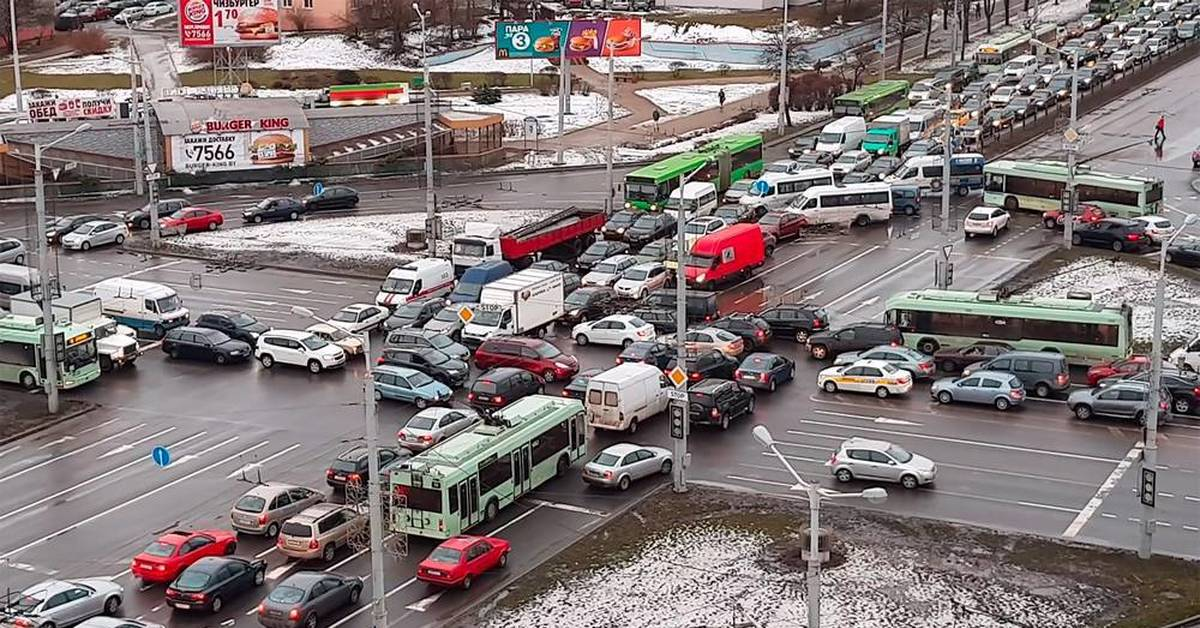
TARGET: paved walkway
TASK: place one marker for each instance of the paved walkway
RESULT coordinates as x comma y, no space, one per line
158,68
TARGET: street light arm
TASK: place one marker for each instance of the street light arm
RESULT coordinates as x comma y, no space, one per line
796,476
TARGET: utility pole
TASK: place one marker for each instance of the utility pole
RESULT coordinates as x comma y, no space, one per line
374,500
134,105
1072,137
151,174
783,72
678,473
49,358
608,164
947,137
563,97
16,56
883,45
431,226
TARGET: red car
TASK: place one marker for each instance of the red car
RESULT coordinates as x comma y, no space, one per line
1053,219
536,356
190,219
1117,368
174,551
782,225
459,560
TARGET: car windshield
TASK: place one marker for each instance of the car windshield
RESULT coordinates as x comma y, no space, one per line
487,318
412,310
312,343
899,454
416,380
700,261
848,158
346,316
168,304
447,315
285,594
606,268
547,350
606,459
621,219
469,248
647,221
191,579
160,549
399,285
697,228
445,555
635,274
979,215
436,358
420,423
250,503
578,299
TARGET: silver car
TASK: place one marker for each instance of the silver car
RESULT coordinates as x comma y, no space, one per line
94,233
263,509
1002,390
866,459
12,251
433,425
619,465
117,622
62,603
1121,400
915,362
448,321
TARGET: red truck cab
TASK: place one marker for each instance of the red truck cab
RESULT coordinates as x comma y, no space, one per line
732,252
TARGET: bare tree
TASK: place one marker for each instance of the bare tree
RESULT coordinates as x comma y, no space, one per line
1008,12
929,30
298,19
388,20
989,7
30,13
906,22
797,58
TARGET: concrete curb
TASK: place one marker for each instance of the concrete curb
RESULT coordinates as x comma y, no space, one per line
50,422
147,249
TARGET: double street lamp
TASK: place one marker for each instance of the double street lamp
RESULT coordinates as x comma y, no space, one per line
815,494
430,202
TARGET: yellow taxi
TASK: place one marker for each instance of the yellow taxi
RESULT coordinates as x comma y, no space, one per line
866,376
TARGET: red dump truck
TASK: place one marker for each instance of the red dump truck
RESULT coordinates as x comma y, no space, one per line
562,235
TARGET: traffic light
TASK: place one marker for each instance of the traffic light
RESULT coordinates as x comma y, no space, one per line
676,420
1148,483
949,274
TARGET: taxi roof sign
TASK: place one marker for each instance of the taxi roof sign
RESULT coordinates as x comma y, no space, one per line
677,376
465,314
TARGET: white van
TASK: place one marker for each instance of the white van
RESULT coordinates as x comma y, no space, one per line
845,133
699,199
418,279
859,204
1020,66
774,190
625,395
923,123
1187,356
15,279
966,172
142,305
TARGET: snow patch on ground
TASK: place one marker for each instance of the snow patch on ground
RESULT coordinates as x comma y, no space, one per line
485,61
1114,281
725,34
762,123
326,52
708,575
115,61
683,100
651,63
586,110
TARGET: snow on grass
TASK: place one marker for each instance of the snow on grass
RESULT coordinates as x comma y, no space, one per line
1113,281
711,33
115,61
762,123
682,100
651,63
586,110
325,52
718,576
485,61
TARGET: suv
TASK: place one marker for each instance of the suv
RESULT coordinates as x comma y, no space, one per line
351,466
651,352
1123,400
236,325
649,227
716,401
262,509
797,321
531,354
1184,387
274,208
856,337
431,362
427,339
662,318
588,303
499,387
319,530
754,331
701,305
298,348
906,199
866,459
1043,372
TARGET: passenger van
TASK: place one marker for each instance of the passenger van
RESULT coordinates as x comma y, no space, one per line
923,123
966,172
15,279
1020,66
734,251
624,396
142,305
845,133
476,277
859,203
699,199
774,190
418,279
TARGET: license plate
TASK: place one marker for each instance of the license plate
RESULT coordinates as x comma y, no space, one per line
339,477
182,605
434,572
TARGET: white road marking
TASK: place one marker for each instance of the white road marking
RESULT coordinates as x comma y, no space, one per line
9,451
279,571
262,303
878,278
864,303
255,465
266,551
134,273
96,426
126,447
68,454
297,290
1106,487
424,604
125,572
569,508
1191,498
1108,515
57,441
834,269
1160,493
1191,528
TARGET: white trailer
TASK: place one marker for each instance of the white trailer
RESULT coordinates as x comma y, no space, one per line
523,303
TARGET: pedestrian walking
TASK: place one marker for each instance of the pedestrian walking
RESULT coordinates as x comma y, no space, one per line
1160,130
721,98
978,10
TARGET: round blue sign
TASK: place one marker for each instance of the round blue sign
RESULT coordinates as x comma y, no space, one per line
318,188
760,187
161,456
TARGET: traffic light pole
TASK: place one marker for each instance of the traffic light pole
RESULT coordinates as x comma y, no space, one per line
680,414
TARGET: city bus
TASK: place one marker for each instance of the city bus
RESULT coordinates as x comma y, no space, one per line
22,359
468,478
1110,9
722,161
991,55
1040,186
872,101
1083,330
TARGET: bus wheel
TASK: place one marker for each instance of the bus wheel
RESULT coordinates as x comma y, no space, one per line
489,511
928,346
1011,204
28,381
963,190
560,469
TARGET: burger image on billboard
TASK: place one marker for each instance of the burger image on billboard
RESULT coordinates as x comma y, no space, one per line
272,148
258,23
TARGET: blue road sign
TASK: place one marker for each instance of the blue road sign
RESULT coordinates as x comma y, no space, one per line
318,187
760,187
161,456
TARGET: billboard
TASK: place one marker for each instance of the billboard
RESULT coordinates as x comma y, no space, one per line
582,39
94,108
238,144
233,23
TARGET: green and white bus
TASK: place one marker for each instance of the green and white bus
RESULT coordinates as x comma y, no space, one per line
1083,330
1041,186
872,101
22,360
992,54
721,162
468,478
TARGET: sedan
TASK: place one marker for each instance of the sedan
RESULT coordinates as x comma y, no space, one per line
649,227
765,370
431,362
915,362
338,336
1187,254
738,189
867,376
56,228
713,339
414,314
641,279
617,329
1023,107
656,353
1117,368
307,596
851,161
1001,390
359,317
62,602
1183,387
190,219
1002,95
958,358
577,387
711,365
274,208
263,509
1159,228
155,9
1117,234
434,425
607,272
449,320
620,464
95,233
207,345
12,251
598,252
985,221
459,560
208,582
1044,98
332,197
921,148
163,559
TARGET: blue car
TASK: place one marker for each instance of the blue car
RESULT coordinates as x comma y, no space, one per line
765,370
408,385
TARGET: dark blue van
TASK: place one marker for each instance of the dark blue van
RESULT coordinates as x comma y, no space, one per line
476,277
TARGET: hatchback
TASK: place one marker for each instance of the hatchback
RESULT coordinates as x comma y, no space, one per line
647,352
713,339
754,331
642,278
1043,372
95,233
459,560
577,387
1159,228
796,320
530,354
851,161
765,370
209,345
332,197
616,329
783,225
189,220
852,338
918,364
262,509
866,459
408,385
319,530
1122,400
56,228
618,223
431,362
427,339
620,464
710,365
415,314
498,387
1001,390
954,359
207,583
449,320
298,348
434,425
62,602
649,227
305,597
360,317
588,303
140,218
1117,368
337,336
866,376
12,251
235,324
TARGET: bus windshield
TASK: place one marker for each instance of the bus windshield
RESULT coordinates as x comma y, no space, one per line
641,190
80,355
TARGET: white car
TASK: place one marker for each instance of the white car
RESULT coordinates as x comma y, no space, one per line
851,161
1123,60
985,221
338,336
360,317
1157,45
866,376
639,280
130,15
433,425
607,272
1159,228
94,233
298,348
698,227
616,329
1003,95
154,9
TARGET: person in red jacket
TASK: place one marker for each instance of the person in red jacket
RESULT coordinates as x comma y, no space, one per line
1160,132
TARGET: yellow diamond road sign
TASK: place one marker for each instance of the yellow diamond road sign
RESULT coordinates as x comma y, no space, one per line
677,376
465,314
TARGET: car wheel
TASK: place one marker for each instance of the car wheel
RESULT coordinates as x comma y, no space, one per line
819,352
633,425
260,576
909,481
969,235
801,335
1049,223
257,219
421,403
829,386
862,220
581,340
945,397
28,381
85,246
310,621
120,239
1011,203
928,346
1041,390
221,359
843,475
466,583
666,467
995,230
212,226
489,511
1170,258
625,343
293,216
327,553
750,406
266,360
1139,418
112,605
882,392
159,331
1182,405
724,421
1118,246
909,210
144,224
1083,412
231,548
215,605
272,530
963,190
548,375
314,366
1002,404
378,395
623,483
355,595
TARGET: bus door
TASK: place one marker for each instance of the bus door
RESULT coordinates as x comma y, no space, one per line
468,501
522,469
578,437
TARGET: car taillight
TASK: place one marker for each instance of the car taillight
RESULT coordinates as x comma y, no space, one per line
760,333
566,394
262,609
328,473
22,622
902,380
379,360
763,377
833,459
714,413
620,360
695,375
262,520
294,614
353,477
1015,394
817,324
199,597
498,399
1196,391
1133,237
279,541
1062,379
925,366
172,592
894,343
314,544
400,435
737,374
427,438
1162,404
470,396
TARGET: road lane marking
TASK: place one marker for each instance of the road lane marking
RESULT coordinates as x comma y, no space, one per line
878,278
97,426
1106,487
834,269
57,441
766,271
279,571
424,604
266,551
260,463
9,451
126,447
1191,498
139,497
569,508
874,419
133,273
70,453
998,500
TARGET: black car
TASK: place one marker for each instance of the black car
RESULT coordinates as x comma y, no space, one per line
618,223
649,227
922,148
353,465
753,330
306,597
1060,86
713,364
236,325
796,320
1184,387
1104,71
657,354
1030,82
959,358
717,401
656,251
662,319
552,265
577,387
60,227
413,314
139,219
208,582
802,145
588,303
701,304
1044,98
858,337
1118,234
209,345
498,387
1187,254
765,370
431,362
332,197
733,214
274,208
598,252
1022,107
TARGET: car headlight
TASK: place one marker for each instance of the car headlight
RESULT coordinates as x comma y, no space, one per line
701,277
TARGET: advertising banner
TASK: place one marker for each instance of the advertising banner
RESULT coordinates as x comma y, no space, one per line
234,23
530,40
623,38
582,38
95,108
242,144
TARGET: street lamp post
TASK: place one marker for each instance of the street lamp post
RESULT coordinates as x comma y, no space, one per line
883,45
1150,446
430,201
49,357
783,72
678,471
16,55
1072,144
815,494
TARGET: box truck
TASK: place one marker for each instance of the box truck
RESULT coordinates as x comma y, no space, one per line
116,344
524,303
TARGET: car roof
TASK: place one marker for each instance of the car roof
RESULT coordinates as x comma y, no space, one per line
1000,375
392,369
270,490
618,258
708,384
304,579
625,318
460,542
620,449
49,587
357,307
294,334
866,443
314,512
875,363
436,412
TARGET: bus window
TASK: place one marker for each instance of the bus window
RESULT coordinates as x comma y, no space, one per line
994,183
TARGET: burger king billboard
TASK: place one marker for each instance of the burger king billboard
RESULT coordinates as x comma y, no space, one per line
233,23
238,144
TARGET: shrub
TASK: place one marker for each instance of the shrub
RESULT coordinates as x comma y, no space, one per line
89,41
486,95
346,77
677,68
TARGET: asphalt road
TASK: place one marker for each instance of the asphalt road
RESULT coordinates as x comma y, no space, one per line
80,499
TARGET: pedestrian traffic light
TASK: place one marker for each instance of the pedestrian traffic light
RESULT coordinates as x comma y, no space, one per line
676,420
1149,481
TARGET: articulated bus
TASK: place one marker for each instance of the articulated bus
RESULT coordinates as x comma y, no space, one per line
721,162
1083,330
22,360
872,101
468,478
1041,186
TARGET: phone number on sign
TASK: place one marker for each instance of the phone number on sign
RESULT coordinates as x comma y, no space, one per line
210,152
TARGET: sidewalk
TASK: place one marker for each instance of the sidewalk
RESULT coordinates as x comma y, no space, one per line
158,68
